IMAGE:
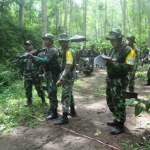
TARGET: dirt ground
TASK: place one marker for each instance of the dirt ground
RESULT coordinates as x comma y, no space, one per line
87,131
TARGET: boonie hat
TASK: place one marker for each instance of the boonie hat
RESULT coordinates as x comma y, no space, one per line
131,37
48,36
63,37
114,34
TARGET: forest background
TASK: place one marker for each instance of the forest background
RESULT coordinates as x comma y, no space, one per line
21,20
31,19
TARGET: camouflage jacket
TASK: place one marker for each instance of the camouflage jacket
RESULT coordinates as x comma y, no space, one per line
28,68
91,53
124,59
82,53
50,60
68,64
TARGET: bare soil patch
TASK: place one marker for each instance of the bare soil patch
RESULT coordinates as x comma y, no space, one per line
87,131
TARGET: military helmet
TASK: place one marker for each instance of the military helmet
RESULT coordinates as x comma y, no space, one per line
63,37
131,37
115,35
28,42
48,36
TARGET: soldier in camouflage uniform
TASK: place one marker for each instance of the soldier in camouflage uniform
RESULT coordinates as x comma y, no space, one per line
82,56
51,73
30,70
92,54
67,79
118,68
131,41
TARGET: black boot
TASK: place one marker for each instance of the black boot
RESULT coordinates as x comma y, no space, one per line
118,129
29,102
72,112
53,115
44,101
63,120
112,123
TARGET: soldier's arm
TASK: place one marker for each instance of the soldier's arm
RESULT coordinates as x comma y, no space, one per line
50,54
69,65
129,62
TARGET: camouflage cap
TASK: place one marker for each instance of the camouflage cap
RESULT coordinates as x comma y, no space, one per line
131,37
114,34
28,42
48,36
63,37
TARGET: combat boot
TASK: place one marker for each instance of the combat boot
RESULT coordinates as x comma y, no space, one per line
72,112
112,123
29,102
118,129
44,101
131,89
53,115
63,120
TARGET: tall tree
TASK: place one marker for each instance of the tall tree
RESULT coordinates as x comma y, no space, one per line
44,17
148,16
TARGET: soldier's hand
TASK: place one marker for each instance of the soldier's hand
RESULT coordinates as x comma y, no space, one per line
132,74
30,55
110,62
59,83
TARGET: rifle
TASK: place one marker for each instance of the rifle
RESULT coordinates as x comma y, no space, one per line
34,52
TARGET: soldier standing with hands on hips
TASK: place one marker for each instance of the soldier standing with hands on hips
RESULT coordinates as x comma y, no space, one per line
67,79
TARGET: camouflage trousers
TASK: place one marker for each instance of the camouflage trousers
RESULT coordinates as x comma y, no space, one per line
28,84
131,84
148,72
52,90
67,95
115,97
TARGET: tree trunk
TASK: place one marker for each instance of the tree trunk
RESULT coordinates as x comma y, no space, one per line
123,7
148,16
65,16
44,17
21,13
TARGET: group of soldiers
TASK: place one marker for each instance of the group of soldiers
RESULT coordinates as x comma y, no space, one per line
59,69
46,64
85,59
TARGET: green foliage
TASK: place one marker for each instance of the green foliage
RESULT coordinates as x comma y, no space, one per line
140,106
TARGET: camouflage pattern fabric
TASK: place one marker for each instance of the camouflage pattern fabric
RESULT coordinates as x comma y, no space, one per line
68,76
91,54
132,80
116,93
30,70
117,80
52,72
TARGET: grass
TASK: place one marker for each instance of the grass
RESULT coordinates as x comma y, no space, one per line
12,110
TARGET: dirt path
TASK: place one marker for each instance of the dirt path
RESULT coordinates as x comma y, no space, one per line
88,131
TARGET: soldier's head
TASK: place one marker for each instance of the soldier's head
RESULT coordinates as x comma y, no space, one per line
92,46
28,45
83,47
63,40
48,39
115,38
131,40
